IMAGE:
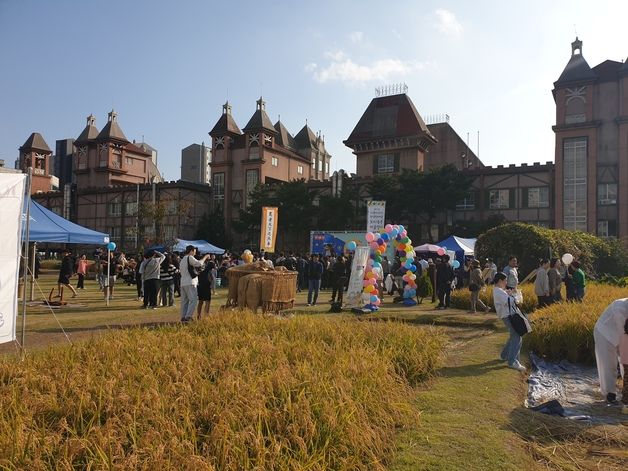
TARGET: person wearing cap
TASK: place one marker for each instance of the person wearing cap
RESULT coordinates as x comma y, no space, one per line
189,282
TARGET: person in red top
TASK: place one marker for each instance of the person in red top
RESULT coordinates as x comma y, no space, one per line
81,270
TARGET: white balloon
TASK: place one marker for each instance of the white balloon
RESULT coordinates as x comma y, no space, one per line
567,259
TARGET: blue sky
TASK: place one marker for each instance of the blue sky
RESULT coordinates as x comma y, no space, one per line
167,67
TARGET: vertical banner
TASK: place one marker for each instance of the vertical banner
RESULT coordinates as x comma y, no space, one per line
11,203
358,266
269,229
375,216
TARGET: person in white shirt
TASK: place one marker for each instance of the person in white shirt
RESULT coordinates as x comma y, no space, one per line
541,284
607,334
512,273
189,283
504,302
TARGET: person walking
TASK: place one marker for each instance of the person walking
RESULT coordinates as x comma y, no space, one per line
444,278
569,286
607,334
541,284
81,271
65,273
138,277
339,280
150,275
512,273
204,290
579,282
315,272
623,358
504,303
189,282
555,281
476,283
166,281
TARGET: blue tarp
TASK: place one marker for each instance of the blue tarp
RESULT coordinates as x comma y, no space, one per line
202,246
459,245
46,226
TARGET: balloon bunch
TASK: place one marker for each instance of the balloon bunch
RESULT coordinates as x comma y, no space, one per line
379,242
247,256
403,246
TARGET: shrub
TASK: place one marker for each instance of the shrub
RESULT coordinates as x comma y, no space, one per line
233,392
565,330
461,298
529,243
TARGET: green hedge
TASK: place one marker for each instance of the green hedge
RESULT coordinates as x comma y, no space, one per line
529,243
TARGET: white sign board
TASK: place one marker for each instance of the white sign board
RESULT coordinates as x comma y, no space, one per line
375,216
354,291
11,202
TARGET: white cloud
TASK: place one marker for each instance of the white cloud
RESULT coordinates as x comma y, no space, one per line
356,37
343,69
447,23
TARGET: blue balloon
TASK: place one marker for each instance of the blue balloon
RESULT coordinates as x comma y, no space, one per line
351,245
412,268
385,237
373,298
401,228
111,246
456,264
377,265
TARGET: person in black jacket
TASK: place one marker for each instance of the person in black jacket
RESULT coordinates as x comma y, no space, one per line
67,270
314,272
339,280
444,277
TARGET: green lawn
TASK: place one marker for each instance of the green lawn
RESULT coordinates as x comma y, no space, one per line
472,415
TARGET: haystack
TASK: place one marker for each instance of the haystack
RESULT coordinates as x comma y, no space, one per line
278,287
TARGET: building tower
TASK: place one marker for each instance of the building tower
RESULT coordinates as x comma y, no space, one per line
591,151
36,155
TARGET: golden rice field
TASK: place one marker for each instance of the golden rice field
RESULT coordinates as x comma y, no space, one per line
563,330
233,392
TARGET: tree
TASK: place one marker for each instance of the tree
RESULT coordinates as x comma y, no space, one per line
423,287
211,228
436,191
472,228
386,188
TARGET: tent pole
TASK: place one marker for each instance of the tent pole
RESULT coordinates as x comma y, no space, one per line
29,176
33,259
108,271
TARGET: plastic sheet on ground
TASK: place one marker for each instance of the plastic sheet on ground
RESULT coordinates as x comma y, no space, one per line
575,387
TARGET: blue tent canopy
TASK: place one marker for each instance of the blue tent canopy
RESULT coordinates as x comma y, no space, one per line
46,226
461,246
202,246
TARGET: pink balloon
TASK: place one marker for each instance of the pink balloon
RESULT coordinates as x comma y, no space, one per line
441,251
370,237
388,228
378,302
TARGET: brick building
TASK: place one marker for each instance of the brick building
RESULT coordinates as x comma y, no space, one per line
262,152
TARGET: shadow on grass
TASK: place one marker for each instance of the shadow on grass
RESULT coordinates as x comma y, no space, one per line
105,327
443,320
466,371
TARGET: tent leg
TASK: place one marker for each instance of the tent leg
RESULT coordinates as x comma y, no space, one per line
32,293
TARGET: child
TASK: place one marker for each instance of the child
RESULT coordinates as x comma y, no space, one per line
623,356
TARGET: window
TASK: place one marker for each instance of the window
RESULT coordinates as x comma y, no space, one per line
114,232
385,163
575,184
327,167
115,209
128,160
130,209
607,194
252,179
170,232
274,161
314,163
130,232
219,186
467,203
300,169
538,197
320,165
602,228
499,199
172,207
607,228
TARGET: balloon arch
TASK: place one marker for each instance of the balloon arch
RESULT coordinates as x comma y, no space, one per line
378,242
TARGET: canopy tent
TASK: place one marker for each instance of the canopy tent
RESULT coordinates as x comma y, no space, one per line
202,246
46,226
462,247
427,248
